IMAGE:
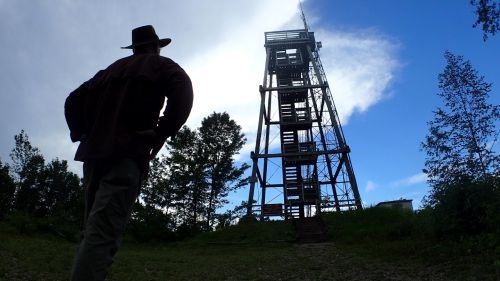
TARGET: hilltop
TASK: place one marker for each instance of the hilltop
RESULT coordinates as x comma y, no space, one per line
373,244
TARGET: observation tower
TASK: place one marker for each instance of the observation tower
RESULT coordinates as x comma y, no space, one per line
301,163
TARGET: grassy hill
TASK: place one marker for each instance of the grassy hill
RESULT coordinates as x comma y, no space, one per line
373,244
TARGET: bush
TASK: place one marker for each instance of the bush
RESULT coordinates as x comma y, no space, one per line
27,224
148,223
466,208
371,224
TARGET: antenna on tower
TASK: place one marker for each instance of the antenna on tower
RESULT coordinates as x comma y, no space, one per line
303,16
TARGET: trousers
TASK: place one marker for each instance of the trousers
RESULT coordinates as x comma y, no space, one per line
111,189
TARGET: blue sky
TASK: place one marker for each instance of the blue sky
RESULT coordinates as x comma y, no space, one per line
385,139
381,57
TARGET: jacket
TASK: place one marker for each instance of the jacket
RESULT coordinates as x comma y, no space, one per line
106,112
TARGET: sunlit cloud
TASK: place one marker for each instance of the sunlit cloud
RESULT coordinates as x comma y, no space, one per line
411,180
222,52
360,66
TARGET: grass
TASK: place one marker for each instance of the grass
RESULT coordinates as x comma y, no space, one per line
392,235
373,244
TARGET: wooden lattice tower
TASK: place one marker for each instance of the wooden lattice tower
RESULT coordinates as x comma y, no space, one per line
301,160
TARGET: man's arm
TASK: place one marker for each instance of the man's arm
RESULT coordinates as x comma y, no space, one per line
74,111
179,104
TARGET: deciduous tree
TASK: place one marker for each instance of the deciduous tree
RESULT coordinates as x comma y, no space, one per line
462,134
7,190
221,140
187,177
28,164
488,16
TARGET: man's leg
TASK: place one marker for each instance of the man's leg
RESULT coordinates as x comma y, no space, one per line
115,196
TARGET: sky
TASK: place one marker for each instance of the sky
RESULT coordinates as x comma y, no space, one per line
381,58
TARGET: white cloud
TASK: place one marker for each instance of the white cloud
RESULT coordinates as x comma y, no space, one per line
411,180
360,66
219,43
370,186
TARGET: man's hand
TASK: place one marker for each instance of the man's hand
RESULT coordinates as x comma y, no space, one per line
156,142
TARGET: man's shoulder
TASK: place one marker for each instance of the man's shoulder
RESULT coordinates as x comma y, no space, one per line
166,60
144,65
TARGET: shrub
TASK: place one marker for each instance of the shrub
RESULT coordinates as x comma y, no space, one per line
466,208
371,224
148,223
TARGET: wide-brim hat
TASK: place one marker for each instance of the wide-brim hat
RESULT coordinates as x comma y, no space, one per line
146,35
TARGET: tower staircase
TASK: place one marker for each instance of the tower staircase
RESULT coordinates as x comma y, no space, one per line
313,157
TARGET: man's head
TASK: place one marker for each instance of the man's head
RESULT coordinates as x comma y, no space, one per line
145,40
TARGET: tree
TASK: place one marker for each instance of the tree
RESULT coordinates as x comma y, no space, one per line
60,191
488,15
193,180
22,154
28,164
155,190
186,176
462,134
151,218
221,139
7,190
44,189
231,217
150,223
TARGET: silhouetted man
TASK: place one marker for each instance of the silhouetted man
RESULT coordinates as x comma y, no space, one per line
115,117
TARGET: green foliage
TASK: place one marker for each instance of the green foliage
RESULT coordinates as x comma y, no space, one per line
48,198
186,176
148,223
255,233
488,15
22,155
461,164
459,143
396,235
230,217
61,192
157,191
371,224
7,190
220,140
30,185
199,172
191,182
467,208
